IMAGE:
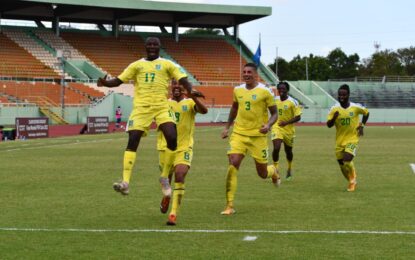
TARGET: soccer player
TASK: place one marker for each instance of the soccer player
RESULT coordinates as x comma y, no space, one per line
283,131
184,110
151,76
251,103
345,116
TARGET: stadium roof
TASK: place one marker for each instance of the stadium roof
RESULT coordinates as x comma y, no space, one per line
132,12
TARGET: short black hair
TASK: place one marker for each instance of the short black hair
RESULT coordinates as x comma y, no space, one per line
345,87
252,65
284,83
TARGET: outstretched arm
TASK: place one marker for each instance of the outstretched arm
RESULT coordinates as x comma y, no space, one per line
110,83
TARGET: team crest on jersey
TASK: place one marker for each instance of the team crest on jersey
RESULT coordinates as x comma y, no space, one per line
253,97
351,114
285,107
158,67
184,108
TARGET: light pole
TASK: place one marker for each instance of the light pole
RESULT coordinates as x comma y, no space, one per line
62,55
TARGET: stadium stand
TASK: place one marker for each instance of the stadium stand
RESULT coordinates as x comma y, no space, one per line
90,93
30,45
16,61
217,95
35,92
208,59
109,53
376,95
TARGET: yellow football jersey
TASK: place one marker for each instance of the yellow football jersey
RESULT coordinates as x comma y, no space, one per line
287,110
184,113
252,109
151,80
347,122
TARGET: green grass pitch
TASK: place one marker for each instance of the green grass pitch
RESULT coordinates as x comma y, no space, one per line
55,192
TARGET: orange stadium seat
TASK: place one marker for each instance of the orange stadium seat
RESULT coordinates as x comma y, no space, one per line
17,62
109,53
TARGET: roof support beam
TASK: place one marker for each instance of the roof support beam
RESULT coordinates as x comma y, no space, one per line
163,29
115,28
55,25
175,31
236,33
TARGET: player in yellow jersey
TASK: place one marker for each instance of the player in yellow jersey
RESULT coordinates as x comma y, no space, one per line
345,116
251,103
184,110
151,76
283,131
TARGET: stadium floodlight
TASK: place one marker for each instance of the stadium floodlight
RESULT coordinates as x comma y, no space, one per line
54,6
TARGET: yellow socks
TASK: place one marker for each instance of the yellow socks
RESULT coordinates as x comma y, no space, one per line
231,184
271,171
276,165
350,171
345,172
168,163
128,164
178,194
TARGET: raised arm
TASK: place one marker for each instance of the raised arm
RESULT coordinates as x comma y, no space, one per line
187,86
200,106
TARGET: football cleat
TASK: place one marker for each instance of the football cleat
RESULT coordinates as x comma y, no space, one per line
228,211
172,220
289,175
165,186
121,187
164,204
352,185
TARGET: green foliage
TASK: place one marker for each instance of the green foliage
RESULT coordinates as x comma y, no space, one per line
65,183
341,65
337,65
382,63
407,58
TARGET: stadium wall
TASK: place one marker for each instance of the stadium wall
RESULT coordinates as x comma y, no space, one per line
78,115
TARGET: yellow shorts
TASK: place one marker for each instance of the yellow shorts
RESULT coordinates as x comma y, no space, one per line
181,157
288,139
348,148
142,116
256,146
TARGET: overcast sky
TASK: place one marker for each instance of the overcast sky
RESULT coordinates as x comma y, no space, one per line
318,26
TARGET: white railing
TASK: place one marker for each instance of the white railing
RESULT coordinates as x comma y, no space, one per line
382,79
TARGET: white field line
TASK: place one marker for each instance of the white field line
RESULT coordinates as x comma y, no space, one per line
60,144
413,167
91,141
81,230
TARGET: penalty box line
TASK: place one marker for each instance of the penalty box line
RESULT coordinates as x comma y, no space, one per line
80,230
